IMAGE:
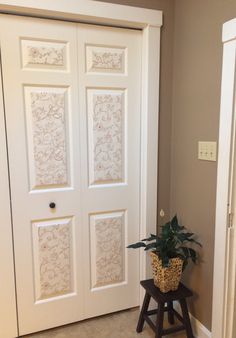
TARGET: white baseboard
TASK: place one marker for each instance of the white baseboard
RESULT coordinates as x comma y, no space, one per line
199,330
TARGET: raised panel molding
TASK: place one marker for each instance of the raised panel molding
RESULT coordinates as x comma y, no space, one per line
44,55
53,261
46,110
106,116
107,248
102,59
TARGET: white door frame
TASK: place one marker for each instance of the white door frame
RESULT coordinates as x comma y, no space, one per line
150,22
223,232
8,318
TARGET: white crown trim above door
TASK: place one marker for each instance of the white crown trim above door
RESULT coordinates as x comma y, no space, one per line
88,11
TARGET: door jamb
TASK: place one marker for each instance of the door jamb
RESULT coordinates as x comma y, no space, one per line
8,315
221,278
150,22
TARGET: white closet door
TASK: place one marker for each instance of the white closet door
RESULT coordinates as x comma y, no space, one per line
72,99
39,60
109,95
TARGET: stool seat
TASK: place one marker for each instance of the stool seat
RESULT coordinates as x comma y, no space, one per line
161,298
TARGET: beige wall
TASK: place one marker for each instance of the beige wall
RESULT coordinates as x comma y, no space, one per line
165,94
187,185
196,104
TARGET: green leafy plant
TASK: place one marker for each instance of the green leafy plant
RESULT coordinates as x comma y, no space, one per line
173,242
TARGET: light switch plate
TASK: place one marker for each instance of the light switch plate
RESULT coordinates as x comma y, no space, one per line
207,151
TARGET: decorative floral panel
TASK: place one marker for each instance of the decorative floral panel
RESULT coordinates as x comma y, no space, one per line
107,243
53,259
42,54
105,59
46,115
106,130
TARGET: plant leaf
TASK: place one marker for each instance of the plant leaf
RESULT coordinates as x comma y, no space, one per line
165,261
174,220
137,245
175,224
194,241
151,238
151,246
193,255
185,252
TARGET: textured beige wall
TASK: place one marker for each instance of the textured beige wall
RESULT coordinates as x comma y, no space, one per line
167,6
196,104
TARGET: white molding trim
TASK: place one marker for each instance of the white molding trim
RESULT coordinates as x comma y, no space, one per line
149,140
199,330
229,30
88,11
150,22
224,181
8,318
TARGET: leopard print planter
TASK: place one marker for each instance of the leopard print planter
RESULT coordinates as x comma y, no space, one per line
166,279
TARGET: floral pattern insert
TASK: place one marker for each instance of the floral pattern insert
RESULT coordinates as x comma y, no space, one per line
108,138
54,260
49,137
107,60
109,250
45,55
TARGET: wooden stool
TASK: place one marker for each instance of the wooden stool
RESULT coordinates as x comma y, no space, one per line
165,298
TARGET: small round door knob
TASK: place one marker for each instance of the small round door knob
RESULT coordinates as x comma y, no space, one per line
52,205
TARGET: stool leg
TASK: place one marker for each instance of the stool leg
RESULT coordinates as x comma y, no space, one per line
143,312
171,318
160,318
186,318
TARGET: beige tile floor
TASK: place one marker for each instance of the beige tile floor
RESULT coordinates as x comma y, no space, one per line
117,325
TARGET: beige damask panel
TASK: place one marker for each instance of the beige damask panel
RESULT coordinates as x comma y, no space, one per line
46,112
100,59
107,248
53,262
48,55
106,116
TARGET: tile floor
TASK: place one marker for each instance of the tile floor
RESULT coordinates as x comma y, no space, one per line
117,325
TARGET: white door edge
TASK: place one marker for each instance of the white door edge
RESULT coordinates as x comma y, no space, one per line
221,276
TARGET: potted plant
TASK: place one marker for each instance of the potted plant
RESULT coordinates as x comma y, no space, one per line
170,253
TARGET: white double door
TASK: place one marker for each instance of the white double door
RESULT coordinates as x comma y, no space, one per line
72,104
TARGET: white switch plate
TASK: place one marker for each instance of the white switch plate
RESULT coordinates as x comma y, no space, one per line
207,151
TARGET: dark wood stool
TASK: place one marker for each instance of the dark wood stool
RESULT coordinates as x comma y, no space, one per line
165,298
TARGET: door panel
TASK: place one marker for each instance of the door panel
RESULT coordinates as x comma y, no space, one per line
53,239
47,119
107,266
72,99
40,84
106,125
109,89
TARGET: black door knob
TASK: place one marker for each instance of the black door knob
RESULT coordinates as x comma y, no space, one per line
52,205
